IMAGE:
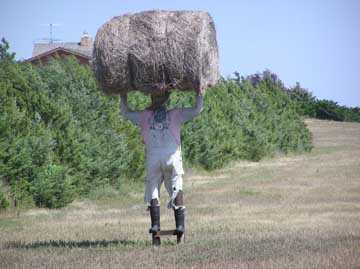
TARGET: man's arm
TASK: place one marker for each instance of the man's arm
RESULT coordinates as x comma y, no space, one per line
133,116
188,114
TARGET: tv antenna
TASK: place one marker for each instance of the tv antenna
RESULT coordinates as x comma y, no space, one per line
51,39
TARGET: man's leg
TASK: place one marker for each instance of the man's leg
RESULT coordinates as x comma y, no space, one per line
155,221
155,215
179,212
174,187
154,179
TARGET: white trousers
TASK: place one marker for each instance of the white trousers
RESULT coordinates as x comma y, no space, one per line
167,167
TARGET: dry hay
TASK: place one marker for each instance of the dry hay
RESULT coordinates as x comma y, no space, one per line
156,51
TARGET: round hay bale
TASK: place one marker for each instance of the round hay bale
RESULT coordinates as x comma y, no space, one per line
156,51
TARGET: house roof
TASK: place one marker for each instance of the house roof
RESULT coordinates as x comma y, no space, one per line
56,49
41,48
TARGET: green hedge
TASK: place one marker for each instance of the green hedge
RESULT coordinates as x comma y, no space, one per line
60,136
309,106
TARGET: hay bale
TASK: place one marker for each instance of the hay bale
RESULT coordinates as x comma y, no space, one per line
155,51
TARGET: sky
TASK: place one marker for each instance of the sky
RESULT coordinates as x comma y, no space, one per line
314,42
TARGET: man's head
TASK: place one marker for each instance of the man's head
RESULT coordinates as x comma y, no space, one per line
159,101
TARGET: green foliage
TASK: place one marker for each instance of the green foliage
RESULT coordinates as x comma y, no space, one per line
330,110
4,203
53,187
309,106
4,54
304,100
60,137
242,121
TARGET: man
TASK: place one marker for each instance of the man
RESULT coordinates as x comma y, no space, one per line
160,129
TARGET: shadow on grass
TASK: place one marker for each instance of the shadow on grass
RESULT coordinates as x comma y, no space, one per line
81,244
73,244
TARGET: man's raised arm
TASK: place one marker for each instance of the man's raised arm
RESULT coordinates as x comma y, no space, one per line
188,114
133,116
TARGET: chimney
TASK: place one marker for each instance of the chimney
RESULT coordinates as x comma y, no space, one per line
86,40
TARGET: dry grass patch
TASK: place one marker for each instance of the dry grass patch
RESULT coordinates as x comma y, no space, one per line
290,212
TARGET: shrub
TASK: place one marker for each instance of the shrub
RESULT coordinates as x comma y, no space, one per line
308,105
60,137
53,187
4,203
54,116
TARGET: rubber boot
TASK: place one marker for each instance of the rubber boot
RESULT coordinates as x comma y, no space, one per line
179,214
155,221
180,220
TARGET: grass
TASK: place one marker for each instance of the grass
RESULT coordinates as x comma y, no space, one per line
295,211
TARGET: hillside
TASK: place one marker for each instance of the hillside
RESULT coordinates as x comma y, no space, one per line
298,211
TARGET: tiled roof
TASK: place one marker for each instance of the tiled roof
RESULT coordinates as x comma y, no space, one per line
40,48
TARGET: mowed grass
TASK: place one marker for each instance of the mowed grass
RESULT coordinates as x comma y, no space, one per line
298,211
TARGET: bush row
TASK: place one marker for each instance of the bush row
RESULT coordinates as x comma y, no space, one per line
309,106
60,136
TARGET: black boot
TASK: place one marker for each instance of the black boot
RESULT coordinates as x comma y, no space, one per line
155,221
179,213
180,220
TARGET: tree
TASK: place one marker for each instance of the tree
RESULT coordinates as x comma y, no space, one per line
4,54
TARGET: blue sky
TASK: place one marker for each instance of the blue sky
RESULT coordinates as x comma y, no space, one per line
316,43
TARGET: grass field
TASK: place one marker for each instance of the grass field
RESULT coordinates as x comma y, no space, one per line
299,211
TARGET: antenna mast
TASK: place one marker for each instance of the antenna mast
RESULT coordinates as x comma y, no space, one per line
51,39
